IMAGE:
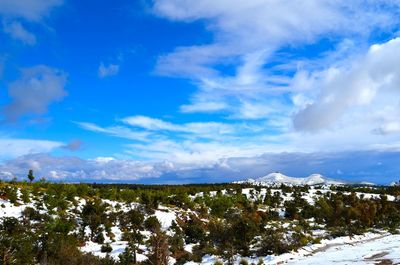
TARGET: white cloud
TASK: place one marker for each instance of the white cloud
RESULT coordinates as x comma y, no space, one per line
18,32
33,10
249,34
204,106
108,70
196,153
76,169
257,21
194,142
204,143
388,128
13,11
271,109
347,96
150,123
202,129
117,131
333,165
37,88
11,147
365,87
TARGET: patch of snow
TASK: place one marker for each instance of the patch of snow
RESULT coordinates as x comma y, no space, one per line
341,250
118,247
165,218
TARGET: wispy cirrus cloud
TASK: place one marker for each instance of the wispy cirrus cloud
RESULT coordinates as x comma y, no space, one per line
203,105
117,131
199,128
194,142
203,143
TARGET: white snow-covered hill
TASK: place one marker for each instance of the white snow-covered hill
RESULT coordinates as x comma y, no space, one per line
277,178
395,183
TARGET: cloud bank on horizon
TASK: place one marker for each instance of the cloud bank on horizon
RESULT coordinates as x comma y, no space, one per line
179,91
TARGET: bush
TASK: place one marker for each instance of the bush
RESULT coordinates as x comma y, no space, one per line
106,248
152,224
99,238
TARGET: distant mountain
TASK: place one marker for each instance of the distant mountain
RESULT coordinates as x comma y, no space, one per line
279,178
395,183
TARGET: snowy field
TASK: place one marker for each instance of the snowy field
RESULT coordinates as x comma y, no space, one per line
385,250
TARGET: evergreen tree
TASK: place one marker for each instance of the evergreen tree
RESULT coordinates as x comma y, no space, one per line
152,224
31,177
126,257
134,238
158,249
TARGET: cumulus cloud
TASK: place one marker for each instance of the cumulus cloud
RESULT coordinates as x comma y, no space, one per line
108,70
37,88
18,32
33,10
388,128
368,85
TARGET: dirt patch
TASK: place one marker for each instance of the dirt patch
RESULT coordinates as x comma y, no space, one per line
377,256
324,248
384,262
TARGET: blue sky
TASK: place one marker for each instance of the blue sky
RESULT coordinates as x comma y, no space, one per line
177,91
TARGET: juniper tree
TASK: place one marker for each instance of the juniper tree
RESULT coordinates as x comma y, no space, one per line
158,249
31,177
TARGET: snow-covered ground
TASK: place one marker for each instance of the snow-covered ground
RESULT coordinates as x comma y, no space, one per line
371,248
383,250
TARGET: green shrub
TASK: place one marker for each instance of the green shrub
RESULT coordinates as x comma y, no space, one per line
106,248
